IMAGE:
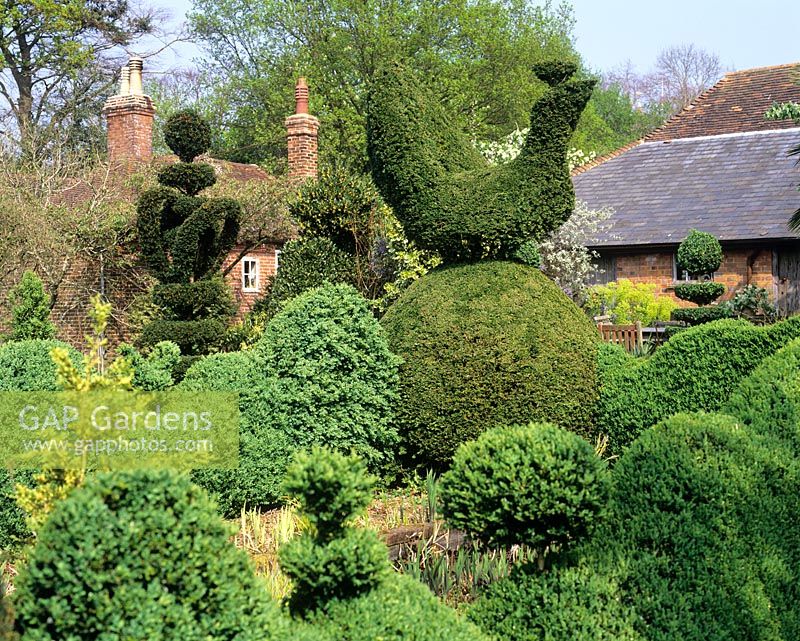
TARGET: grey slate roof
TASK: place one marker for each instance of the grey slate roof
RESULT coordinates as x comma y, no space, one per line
735,186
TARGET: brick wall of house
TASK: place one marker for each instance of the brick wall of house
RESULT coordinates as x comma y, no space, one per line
739,268
266,257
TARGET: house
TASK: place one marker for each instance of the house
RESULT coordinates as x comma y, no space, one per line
247,268
718,166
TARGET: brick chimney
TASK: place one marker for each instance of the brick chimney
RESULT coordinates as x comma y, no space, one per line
130,118
301,133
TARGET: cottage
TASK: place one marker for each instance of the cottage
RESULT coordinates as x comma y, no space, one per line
718,166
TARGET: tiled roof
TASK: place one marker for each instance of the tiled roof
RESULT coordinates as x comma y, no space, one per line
735,104
735,186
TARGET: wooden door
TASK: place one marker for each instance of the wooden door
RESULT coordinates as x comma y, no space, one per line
787,275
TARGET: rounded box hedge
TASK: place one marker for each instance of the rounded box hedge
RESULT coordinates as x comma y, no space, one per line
487,344
141,555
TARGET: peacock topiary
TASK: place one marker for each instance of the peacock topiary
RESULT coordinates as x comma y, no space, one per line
443,191
184,238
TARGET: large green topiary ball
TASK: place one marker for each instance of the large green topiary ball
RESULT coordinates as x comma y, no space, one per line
533,484
141,556
488,344
187,134
700,253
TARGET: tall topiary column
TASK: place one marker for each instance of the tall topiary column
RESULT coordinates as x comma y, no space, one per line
184,238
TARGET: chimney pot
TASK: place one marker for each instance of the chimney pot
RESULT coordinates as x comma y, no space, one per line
301,97
135,66
125,81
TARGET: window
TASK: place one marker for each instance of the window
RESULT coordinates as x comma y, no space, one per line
277,259
681,275
249,274
605,270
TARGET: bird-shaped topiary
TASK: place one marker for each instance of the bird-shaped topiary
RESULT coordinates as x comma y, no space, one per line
184,238
443,191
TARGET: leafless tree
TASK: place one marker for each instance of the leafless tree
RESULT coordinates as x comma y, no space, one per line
683,72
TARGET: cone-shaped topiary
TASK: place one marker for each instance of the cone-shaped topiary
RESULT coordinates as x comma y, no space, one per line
139,556
488,344
442,190
184,238
30,310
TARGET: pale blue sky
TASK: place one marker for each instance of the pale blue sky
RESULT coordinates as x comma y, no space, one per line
743,33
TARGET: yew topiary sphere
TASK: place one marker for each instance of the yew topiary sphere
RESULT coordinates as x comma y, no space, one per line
700,253
187,134
488,344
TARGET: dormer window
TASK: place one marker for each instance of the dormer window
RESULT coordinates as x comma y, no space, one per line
249,274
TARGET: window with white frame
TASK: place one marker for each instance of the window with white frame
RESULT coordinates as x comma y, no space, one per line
277,259
249,274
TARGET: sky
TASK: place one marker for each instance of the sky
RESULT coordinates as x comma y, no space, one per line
743,33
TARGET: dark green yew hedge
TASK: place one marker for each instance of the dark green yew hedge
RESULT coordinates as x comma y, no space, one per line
488,344
700,293
442,190
696,370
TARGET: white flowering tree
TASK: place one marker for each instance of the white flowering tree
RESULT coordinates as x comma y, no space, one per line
564,254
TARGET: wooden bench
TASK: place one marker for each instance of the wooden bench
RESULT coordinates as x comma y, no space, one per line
628,336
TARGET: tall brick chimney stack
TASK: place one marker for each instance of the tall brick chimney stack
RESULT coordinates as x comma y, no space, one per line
130,118
301,132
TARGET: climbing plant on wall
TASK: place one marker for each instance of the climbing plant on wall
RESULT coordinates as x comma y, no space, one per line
184,238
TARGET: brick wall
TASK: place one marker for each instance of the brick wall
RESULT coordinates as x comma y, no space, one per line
267,258
739,268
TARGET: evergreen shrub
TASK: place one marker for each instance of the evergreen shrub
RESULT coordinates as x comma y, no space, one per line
488,344
153,372
398,609
536,484
698,515
305,264
206,298
697,369
321,374
699,315
140,555
442,190
700,293
14,530
26,366
187,177
334,378
30,310
193,337
342,206
768,401
187,134
332,559
699,253
344,588
577,602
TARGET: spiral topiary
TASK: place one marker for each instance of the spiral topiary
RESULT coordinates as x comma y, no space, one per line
184,238
442,190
